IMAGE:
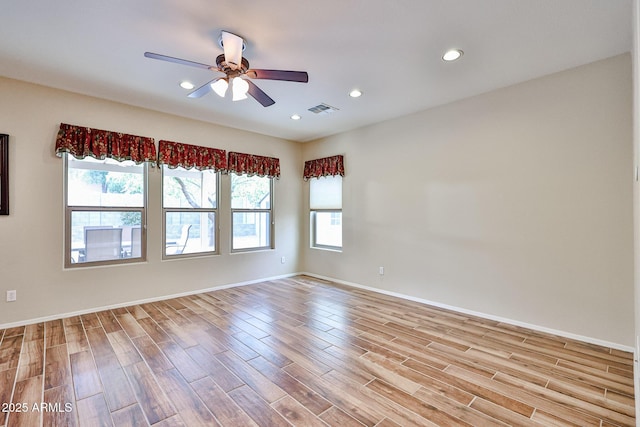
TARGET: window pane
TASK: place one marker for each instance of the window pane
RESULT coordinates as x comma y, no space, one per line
92,182
191,188
189,232
250,192
251,230
328,228
105,235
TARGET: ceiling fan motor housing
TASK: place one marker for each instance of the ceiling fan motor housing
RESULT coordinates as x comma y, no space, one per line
228,69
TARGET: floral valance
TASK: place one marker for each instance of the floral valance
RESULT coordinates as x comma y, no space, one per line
327,166
254,165
188,156
81,142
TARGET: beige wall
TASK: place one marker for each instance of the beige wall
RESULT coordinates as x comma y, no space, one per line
516,203
31,238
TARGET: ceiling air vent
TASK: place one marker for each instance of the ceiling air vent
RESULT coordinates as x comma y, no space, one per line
323,109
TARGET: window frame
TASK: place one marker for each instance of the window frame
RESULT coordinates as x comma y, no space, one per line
313,216
215,212
69,210
269,211
314,229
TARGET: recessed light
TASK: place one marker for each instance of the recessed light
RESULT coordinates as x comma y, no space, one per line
187,85
295,117
356,93
452,55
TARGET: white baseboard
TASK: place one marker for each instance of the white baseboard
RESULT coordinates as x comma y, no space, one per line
585,339
142,301
537,328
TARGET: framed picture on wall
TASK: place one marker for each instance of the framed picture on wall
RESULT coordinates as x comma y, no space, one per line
4,174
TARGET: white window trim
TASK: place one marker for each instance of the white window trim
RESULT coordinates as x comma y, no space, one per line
270,211
216,225
68,212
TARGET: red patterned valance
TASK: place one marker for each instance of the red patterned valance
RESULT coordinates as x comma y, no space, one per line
327,166
254,165
188,156
81,142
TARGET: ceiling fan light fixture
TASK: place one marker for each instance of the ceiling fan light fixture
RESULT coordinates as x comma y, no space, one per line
220,87
452,55
239,88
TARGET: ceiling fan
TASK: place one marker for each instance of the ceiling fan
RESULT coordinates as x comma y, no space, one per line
235,67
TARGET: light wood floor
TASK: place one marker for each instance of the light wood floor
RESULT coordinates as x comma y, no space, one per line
304,352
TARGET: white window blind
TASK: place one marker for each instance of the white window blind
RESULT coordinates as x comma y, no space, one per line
325,192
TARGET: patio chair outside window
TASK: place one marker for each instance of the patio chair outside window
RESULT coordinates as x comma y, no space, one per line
102,244
136,242
178,247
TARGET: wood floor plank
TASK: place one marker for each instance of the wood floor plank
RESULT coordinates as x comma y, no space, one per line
93,411
7,380
266,389
57,368
426,410
123,347
152,354
150,396
307,397
117,390
387,408
305,351
335,394
256,408
155,332
336,417
10,351
86,381
204,363
58,407
28,397
131,416
31,359
180,359
474,387
130,325
54,332
296,413
75,335
226,411
185,400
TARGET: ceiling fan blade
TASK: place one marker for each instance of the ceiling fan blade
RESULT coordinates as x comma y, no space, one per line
232,45
289,76
203,90
259,95
178,61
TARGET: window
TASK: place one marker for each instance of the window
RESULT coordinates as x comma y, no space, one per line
325,204
105,211
190,210
251,213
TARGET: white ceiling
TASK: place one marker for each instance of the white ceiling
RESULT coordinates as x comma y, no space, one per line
391,50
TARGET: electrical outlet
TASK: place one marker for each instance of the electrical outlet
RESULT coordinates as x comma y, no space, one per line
11,296
381,271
